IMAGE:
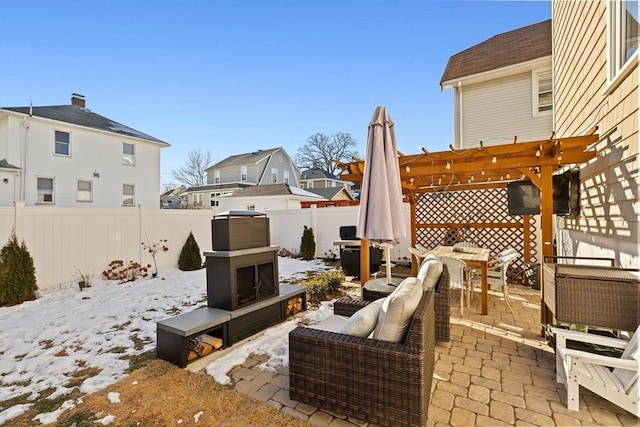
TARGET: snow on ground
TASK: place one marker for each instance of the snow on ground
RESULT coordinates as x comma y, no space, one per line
44,343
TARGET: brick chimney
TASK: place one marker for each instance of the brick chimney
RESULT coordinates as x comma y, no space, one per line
77,99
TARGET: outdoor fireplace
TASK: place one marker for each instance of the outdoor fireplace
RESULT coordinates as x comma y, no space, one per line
243,268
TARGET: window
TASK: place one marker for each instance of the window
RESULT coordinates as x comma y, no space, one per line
62,143
45,190
251,207
128,154
243,173
622,37
285,177
84,191
274,175
333,184
542,92
128,192
214,201
309,184
216,176
197,199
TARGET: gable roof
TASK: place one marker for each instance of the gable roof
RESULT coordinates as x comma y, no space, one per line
330,192
81,116
274,190
316,174
245,158
510,48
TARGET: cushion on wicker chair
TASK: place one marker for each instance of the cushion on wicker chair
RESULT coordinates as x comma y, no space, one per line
429,272
331,323
397,309
363,322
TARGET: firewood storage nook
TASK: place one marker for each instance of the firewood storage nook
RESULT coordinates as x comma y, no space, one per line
243,293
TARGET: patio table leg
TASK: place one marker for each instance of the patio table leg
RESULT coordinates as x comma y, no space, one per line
485,290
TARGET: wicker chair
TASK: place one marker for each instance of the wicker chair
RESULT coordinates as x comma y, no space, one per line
384,383
443,311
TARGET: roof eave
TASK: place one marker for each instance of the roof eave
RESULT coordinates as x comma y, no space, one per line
488,75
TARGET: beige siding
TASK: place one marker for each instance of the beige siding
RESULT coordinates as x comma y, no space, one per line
497,110
610,203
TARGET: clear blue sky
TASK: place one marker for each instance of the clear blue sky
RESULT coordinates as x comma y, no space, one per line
234,76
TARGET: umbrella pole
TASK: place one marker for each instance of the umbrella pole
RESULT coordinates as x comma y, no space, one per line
387,254
365,262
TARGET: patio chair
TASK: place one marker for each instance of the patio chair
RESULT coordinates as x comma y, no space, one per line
382,382
469,272
419,254
442,298
614,379
457,280
497,273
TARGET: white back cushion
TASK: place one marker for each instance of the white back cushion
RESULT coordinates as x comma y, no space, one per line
429,272
363,322
397,310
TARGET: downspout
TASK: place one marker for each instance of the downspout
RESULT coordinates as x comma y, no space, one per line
460,113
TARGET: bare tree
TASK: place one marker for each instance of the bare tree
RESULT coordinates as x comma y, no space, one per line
194,172
321,150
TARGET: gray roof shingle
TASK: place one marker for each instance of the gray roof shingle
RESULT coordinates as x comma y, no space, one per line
244,159
513,47
316,174
80,116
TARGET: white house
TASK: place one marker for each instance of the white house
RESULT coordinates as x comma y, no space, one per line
267,197
261,167
503,88
67,155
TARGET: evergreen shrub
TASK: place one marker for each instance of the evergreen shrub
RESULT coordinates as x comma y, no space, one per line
17,273
308,244
190,258
323,285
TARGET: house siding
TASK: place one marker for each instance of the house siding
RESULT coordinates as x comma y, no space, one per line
90,151
497,110
609,205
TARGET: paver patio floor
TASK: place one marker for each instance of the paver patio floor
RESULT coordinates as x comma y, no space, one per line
496,370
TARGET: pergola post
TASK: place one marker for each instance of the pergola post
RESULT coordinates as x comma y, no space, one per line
546,224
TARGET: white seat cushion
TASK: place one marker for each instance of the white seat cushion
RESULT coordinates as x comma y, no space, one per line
332,323
397,310
429,272
363,322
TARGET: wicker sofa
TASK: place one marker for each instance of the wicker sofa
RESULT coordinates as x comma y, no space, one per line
441,303
381,382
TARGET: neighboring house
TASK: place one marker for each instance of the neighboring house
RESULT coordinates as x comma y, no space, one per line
174,198
267,197
332,193
67,155
595,65
502,88
317,178
262,167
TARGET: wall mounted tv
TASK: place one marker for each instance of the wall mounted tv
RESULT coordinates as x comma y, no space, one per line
523,198
566,194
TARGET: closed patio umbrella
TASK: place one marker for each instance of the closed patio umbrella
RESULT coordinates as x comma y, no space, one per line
380,218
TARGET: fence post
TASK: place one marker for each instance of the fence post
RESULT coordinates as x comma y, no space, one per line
314,217
19,219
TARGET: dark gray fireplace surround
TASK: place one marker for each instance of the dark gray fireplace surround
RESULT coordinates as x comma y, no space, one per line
243,292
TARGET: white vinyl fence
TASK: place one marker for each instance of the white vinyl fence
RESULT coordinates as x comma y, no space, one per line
63,239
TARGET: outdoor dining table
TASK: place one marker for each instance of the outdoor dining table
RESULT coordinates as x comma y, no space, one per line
472,257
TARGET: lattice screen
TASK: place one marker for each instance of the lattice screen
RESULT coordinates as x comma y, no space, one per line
478,216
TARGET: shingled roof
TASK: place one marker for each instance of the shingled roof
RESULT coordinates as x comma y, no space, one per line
513,47
81,116
273,190
244,159
316,174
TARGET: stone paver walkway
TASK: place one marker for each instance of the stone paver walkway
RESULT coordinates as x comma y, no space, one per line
497,370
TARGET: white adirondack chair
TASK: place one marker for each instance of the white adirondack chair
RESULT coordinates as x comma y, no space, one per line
577,368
